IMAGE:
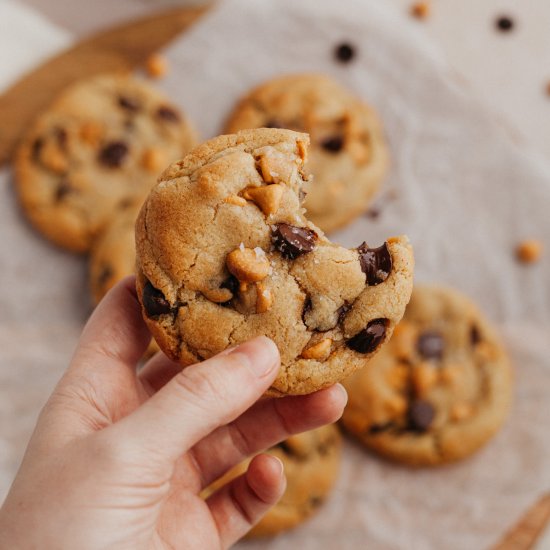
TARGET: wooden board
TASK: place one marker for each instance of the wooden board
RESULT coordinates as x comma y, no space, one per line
121,48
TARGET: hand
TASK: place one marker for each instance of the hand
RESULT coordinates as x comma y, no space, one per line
118,459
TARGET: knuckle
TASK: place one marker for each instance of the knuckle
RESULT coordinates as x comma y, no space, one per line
200,383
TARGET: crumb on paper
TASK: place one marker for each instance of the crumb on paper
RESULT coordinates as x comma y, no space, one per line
420,10
156,66
529,251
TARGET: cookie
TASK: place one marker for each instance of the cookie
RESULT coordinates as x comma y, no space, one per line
100,146
438,390
225,253
113,257
311,463
348,156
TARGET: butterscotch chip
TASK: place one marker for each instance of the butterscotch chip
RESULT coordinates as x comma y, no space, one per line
444,399
54,159
461,411
218,295
156,66
529,251
276,167
153,159
420,10
319,351
424,378
91,133
236,200
248,265
264,298
267,197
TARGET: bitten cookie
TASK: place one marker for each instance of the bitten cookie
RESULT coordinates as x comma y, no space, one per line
113,257
311,463
348,155
225,253
100,146
438,390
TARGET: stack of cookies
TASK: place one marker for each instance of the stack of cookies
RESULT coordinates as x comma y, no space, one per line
230,243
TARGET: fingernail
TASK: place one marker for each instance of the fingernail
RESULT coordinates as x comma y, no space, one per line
260,355
280,466
343,392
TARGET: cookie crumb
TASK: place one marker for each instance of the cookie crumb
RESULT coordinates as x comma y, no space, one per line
420,10
529,251
547,88
156,66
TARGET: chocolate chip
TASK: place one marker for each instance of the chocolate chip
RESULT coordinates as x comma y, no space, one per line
292,241
154,302
368,339
333,144
129,103
285,448
63,189
168,113
104,275
430,345
475,335
504,23
376,263
420,415
344,52
373,213
113,154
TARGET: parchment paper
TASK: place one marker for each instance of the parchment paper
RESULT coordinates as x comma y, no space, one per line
465,192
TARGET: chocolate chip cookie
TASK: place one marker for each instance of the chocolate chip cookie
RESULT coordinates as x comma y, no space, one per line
438,390
311,464
348,156
113,257
100,146
225,253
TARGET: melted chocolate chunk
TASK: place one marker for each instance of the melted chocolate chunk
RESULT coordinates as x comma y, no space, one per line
368,339
154,302
430,345
128,103
292,241
504,23
475,335
105,274
333,144
344,52
113,154
376,263
285,448
420,415
168,113
63,189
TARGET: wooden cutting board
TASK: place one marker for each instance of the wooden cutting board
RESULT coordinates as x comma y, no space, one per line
120,48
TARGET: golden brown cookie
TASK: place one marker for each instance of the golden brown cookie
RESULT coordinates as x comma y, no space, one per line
100,146
440,388
311,463
348,156
225,253
113,257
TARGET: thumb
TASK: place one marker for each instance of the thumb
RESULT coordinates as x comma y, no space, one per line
201,398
